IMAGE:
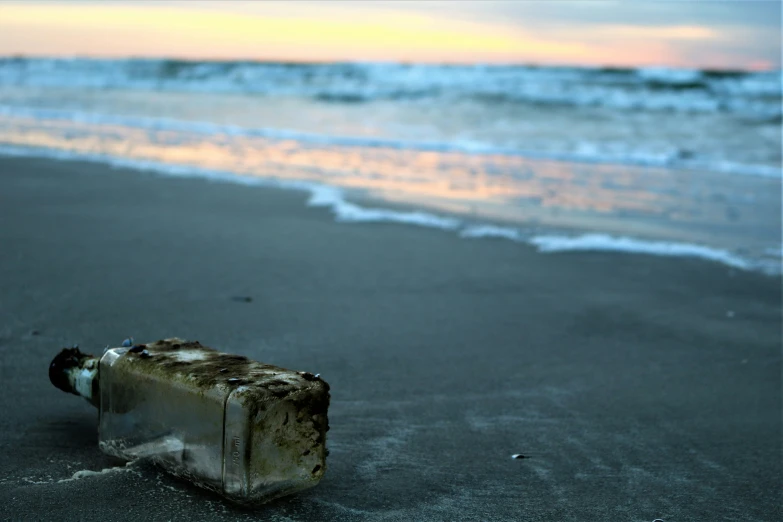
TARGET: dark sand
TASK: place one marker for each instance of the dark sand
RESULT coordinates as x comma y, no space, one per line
620,376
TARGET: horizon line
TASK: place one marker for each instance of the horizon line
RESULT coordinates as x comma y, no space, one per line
294,61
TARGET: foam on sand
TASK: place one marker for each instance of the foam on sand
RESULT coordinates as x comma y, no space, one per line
608,243
489,231
604,242
344,211
106,471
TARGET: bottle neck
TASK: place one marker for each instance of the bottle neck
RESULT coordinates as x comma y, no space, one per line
75,372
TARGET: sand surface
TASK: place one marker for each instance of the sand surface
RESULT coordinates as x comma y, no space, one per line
638,387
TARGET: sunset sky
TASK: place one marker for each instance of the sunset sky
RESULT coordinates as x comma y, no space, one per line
727,34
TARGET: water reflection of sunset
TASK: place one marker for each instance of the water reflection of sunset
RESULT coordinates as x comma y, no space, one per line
648,202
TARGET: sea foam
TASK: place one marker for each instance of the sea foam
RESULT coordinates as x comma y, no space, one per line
651,89
607,243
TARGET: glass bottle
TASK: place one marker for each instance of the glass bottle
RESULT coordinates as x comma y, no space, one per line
249,431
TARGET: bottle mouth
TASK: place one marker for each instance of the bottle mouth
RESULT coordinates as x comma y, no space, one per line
75,372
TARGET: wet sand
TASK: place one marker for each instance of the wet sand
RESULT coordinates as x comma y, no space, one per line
637,387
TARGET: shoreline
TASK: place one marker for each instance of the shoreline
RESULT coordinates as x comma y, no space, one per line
357,206
639,387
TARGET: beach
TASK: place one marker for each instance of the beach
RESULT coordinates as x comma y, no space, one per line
636,387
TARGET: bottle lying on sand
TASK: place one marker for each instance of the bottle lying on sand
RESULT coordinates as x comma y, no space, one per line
246,430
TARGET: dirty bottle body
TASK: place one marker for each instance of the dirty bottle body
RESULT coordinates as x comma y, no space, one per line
249,431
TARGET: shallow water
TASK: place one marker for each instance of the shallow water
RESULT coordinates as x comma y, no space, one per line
652,156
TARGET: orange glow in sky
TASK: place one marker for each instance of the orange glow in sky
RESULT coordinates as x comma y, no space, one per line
339,31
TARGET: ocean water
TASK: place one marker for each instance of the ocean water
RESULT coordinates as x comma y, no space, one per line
657,161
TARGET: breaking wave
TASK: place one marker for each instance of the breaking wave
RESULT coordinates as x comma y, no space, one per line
752,94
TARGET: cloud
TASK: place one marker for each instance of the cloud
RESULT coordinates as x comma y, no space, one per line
629,33
671,32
